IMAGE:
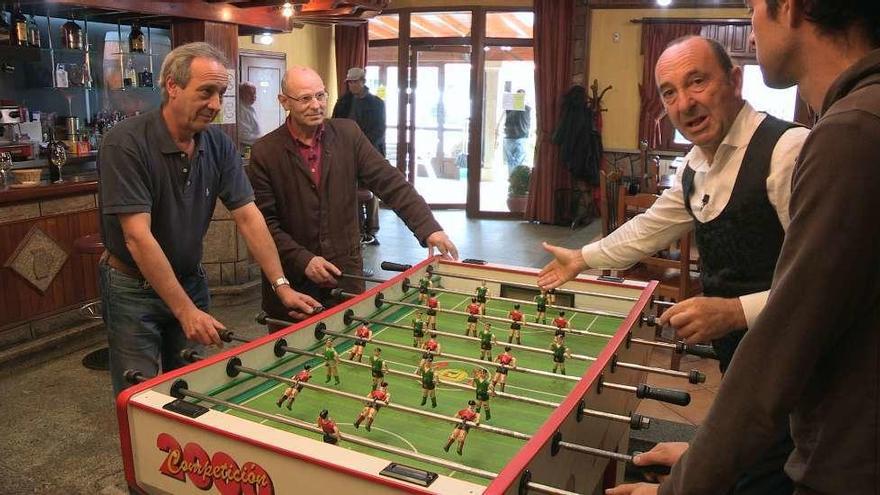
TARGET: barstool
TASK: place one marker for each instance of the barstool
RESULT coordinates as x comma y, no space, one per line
364,196
98,359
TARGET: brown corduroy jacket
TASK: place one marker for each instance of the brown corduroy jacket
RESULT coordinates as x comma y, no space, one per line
306,220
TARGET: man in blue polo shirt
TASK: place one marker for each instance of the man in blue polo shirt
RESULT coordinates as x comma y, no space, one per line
160,176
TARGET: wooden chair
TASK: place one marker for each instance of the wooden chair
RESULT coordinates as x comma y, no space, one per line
675,269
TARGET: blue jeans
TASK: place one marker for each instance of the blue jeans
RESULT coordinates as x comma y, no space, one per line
142,332
514,152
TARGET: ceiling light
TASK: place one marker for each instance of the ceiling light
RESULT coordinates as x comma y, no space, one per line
287,9
664,3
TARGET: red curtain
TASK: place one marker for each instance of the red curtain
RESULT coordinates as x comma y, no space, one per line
552,79
655,37
351,51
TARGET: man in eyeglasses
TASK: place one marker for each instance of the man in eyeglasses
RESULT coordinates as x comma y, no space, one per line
305,176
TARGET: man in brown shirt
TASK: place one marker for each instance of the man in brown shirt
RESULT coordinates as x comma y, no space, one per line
814,352
305,176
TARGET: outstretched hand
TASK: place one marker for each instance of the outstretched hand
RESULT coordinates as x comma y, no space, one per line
566,265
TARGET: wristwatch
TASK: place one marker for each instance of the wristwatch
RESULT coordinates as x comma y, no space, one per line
279,282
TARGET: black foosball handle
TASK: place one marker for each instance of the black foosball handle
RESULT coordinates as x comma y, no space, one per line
657,469
677,397
390,266
700,350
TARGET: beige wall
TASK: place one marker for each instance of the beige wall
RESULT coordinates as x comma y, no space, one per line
619,64
400,4
311,46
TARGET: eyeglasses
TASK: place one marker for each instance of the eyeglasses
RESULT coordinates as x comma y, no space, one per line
308,99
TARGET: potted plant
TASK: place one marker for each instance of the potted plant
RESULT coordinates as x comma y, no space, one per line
518,190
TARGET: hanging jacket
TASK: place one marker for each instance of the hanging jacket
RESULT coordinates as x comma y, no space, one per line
579,139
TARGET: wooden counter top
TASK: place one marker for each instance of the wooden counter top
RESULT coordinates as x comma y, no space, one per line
70,187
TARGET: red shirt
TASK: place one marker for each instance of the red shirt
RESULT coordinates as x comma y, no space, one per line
431,345
311,155
378,394
303,376
560,322
327,425
505,359
432,302
516,315
467,415
473,308
363,332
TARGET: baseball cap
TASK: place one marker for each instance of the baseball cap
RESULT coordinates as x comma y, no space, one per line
355,73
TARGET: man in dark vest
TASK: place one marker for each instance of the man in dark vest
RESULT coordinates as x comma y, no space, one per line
734,193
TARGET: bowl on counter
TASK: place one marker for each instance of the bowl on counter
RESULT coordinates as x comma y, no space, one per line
27,176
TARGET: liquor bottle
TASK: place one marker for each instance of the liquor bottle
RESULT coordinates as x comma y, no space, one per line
145,78
33,32
19,28
71,35
130,78
136,39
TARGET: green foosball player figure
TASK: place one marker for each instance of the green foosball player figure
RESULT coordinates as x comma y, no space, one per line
429,382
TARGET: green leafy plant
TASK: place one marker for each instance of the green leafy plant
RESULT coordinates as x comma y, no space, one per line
519,181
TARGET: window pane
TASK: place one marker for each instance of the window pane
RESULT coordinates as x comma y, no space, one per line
384,27
382,81
510,24
440,24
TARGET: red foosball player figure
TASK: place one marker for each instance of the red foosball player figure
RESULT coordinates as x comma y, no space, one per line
363,334
296,387
331,361
516,318
433,306
561,324
506,363
481,390
375,400
482,296
418,326
469,417
487,338
541,310
473,310
328,427
432,348
560,352
425,285
429,383
378,367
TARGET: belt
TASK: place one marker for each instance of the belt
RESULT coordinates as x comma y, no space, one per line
120,266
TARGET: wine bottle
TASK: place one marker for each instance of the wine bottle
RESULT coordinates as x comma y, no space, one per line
19,28
33,32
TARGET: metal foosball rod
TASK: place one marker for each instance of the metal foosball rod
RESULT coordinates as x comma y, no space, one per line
180,390
362,277
680,347
234,367
636,421
643,391
693,376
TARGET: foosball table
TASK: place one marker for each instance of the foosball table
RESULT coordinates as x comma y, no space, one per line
228,424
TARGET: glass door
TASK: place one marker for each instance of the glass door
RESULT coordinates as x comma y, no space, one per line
440,78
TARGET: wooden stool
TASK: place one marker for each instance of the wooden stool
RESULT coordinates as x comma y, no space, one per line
98,359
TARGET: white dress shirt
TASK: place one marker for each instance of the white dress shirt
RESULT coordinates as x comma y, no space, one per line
668,220
248,127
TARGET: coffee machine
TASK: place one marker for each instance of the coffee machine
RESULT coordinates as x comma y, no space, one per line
10,131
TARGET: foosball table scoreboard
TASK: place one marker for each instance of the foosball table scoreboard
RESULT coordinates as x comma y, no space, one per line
224,424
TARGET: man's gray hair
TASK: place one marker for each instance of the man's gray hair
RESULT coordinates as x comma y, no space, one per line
179,61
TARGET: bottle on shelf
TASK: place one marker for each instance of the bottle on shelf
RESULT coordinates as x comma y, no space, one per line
33,32
130,78
61,77
19,30
136,39
71,35
145,78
